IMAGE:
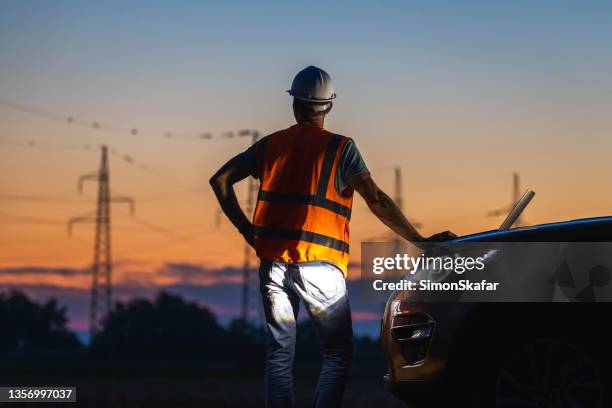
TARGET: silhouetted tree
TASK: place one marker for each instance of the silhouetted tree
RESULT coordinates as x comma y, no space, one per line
246,332
168,326
26,325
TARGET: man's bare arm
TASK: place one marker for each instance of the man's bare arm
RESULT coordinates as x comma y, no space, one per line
388,212
222,183
384,207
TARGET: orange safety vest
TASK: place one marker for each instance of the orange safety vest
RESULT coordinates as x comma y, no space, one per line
299,215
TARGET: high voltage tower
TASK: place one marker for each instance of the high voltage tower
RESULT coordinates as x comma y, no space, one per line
398,198
250,307
516,195
250,301
398,187
399,201
101,287
114,128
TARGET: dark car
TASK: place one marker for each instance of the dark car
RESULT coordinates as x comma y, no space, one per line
507,354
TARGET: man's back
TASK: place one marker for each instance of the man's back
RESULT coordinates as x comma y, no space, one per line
300,217
291,159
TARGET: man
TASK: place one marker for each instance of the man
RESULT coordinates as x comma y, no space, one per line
300,232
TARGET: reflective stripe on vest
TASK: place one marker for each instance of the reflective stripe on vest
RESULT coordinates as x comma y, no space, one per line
311,224
305,200
296,235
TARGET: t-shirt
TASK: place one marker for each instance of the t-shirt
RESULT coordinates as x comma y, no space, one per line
351,163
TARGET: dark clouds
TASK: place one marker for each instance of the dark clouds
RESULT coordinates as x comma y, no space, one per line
180,272
22,270
188,271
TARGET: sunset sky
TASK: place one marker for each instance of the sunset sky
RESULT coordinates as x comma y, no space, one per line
458,94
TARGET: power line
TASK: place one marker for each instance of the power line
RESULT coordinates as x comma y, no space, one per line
154,227
180,240
39,199
73,120
163,230
29,242
31,143
96,125
120,153
31,220
172,194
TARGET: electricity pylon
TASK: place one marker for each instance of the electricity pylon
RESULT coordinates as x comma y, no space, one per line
516,195
390,236
399,196
249,304
101,287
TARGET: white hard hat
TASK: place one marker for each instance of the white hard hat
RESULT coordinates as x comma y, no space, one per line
314,85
